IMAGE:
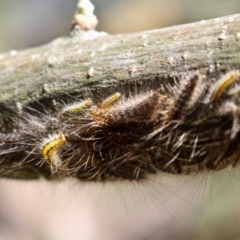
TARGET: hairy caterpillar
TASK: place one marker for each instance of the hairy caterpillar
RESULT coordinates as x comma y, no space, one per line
193,129
50,149
77,107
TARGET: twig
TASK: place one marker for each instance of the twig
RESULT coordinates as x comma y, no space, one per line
95,65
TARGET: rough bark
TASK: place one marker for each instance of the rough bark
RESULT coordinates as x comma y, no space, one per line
86,62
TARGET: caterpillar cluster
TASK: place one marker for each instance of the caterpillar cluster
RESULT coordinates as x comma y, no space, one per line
191,129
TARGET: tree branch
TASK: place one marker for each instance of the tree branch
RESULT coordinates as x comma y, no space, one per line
90,61
95,65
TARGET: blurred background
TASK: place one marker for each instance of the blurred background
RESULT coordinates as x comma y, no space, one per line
29,23
199,207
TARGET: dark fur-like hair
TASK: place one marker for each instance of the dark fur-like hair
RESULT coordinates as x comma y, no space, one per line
188,129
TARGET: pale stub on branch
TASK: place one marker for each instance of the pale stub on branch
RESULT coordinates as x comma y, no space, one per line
84,17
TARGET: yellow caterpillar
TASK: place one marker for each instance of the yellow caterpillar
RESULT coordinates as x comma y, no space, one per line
50,149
